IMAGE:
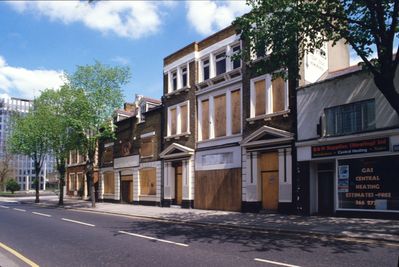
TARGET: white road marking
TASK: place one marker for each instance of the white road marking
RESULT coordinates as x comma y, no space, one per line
41,214
10,201
153,238
4,207
73,221
19,209
276,263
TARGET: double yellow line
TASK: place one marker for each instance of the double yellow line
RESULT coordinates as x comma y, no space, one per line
19,255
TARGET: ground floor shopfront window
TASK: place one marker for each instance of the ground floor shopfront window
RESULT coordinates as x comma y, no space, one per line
369,183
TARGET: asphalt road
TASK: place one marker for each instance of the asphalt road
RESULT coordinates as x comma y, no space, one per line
59,237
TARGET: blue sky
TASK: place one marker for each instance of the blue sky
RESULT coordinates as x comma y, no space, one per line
40,40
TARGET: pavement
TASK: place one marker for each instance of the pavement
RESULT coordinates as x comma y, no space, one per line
330,227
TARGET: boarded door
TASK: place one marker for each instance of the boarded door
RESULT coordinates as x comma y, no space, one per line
179,184
218,189
269,178
127,188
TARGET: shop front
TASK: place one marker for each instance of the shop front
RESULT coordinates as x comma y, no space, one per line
358,178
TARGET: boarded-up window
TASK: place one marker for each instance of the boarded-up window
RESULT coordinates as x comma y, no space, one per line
235,112
260,97
109,183
148,181
147,147
183,118
108,155
74,157
278,92
79,182
173,121
205,119
220,115
72,182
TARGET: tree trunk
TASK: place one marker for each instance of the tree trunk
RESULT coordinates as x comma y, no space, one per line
385,84
62,184
37,185
90,181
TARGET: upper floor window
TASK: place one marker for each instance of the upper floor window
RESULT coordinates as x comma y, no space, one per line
184,76
236,61
178,119
267,96
349,118
174,81
178,78
147,146
205,69
220,63
220,115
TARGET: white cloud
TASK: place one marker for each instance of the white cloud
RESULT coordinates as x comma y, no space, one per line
21,82
121,60
209,16
131,19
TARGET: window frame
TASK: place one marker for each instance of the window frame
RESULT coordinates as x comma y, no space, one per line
363,104
211,113
268,97
222,58
178,119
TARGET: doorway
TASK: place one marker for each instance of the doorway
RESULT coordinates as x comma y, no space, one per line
325,188
268,163
178,183
127,188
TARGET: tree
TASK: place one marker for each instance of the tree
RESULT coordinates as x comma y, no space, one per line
12,186
65,114
101,85
6,170
31,136
291,28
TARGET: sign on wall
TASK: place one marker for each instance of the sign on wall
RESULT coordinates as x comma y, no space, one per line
371,183
351,148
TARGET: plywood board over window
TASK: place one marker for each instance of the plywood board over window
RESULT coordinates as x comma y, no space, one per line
235,112
183,118
173,121
148,181
260,97
205,119
72,182
147,147
278,91
109,183
220,115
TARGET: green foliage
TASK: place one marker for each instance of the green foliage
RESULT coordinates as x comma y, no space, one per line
291,28
102,87
12,186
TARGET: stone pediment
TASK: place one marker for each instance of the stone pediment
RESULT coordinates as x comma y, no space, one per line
176,150
266,135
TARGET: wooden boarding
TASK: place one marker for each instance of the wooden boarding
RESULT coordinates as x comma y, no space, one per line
235,112
147,147
173,125
127,189
278,92
260,97
268,163
148,181
179,184
205,119
109,183
183,118
218,189
72,182
79,181
220,115
270,190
